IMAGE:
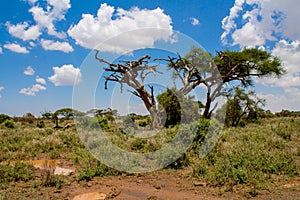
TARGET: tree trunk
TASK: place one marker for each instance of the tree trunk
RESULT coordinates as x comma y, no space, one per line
155,119
207,113
56,122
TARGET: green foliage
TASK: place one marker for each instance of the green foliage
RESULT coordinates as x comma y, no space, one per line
240,105
98,170
180,163
287,113
47,115
248,63
234,66
138,144
40,124
200,58
178,108
9,123
3,117
68,113
246,156
15,172
103,122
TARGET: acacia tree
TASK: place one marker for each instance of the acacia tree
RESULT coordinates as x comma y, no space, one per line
133,74
199,67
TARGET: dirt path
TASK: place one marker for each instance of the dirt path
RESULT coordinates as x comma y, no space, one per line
173,185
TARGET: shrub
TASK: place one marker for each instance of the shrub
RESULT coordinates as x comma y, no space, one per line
18,172
138,144
103,122
99,170
9,123
3,117
40,124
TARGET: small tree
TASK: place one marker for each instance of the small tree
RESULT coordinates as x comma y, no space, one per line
178,108
46,115
241,104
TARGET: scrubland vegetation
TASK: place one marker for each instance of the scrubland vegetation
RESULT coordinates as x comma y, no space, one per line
257,155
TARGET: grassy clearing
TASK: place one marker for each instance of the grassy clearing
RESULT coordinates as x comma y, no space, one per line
253,156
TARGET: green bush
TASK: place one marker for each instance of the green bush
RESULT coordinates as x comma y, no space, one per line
40,124
138,144
3,117
9,123
99,170
17,172
103,122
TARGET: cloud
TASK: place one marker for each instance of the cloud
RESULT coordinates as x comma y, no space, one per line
228,22
1,89
16,48
65,75
55,11
272,26
33,90
40,80
1,51
58,46
23,31
31,1
29,71
248,36
45,19
289,53
151,26
195,21
254,22
287,100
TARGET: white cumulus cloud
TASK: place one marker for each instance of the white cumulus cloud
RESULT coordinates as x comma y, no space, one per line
151,26
44,17
1,89
289,53
55,11
254,22
40,80
65,75
195,21
31,1
29,71
23,31
16,48
272,26
287,100
1,51
55,45
33,90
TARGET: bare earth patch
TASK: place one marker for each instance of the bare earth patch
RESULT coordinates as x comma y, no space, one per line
163,184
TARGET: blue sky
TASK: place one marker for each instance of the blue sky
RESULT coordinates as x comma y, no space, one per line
44,43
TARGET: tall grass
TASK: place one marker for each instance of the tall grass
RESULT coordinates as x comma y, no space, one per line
251,155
